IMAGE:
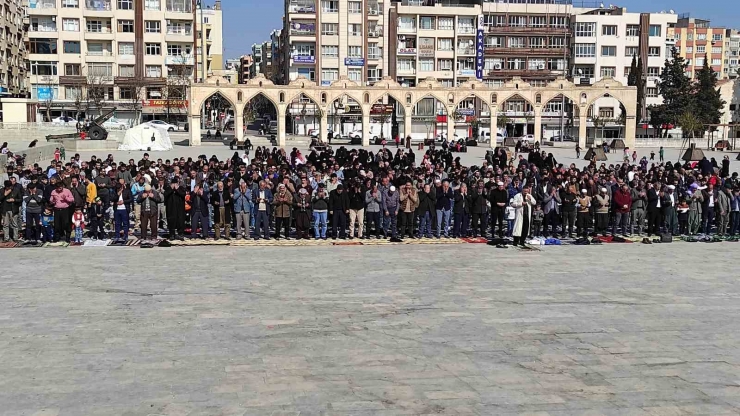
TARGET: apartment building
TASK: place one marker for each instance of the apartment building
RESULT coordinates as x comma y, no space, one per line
12,49
732,53
604,42
256,66
326,39
210,21
245,68
136,56
696,41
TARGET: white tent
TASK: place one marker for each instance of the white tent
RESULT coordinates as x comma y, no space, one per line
146,138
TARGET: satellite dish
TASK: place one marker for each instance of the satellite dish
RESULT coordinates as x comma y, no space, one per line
671,11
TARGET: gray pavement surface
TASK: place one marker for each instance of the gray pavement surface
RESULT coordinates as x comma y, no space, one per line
412,330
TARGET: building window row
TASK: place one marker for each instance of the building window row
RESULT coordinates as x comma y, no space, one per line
179,6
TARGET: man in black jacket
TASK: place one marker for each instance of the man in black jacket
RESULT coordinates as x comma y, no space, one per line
425,211
10,204
461,211
653,210
121,209
499,198
339,209
479,209
34,200
356,208
569,199
174,201
198,212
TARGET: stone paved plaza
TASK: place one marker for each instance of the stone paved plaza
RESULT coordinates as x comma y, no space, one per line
389,330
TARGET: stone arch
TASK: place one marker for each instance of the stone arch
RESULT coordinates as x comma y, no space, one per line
477,94
512,95
304,121
220,92
264,94
338,94
308,93
399,98
441,99
607,95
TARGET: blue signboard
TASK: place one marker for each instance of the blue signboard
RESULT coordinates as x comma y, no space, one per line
325,83
354,61
303,59
479,41
45,93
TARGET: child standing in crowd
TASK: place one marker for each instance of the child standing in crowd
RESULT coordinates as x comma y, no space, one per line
78,221
538,215
47,222
510,217
57,155
96,218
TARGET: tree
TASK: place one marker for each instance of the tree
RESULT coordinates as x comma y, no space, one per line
635,79
708,100
676,89
135,93
45,103
658,118
502,121
690,124
633,75
98,84
176,89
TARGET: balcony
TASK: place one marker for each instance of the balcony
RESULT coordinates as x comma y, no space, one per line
406,51
545,30
179,60
489,51
406,29
180,31
72,80
523,73
375,32
98,5
466,51
45,5
466,31
302,7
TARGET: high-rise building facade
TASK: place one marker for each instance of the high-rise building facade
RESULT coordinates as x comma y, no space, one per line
732,53
12,49
697,41
209,20
604,42
245,68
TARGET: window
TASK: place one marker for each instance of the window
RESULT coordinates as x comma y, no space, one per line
556,64
608,51
152,5
690,36
556,42
354,51
536,64
73,93
374,51
466,25
43,67
606,112
153,71
716,61
329,75
445,23
538,42
125,4
516,42
354,7
329,6
354,29
71,25
585,29
176,49
585,50
95,26
444,44
43,46
98,49
329,51
153,49
444,65
329,28
406,65
717,37
655,30
689,49
654,51
627,70
426,64
354,74
493,64
538,21
699,62
100,69
494,42
609,30
125,48
70,4
716,49
608,71
407,23
652,92
701,36
559,21
301,49
126,26
446,83
426,22
515,63
126,71
153,26
631,51
125,93
517,21
374,74
72,70
653,71
633,30
71,46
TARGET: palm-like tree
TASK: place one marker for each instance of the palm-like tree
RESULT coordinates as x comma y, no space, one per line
690,124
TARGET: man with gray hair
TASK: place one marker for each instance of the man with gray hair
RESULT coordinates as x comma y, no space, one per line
242,209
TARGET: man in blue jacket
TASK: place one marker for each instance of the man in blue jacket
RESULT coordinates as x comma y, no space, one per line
242,209
262,201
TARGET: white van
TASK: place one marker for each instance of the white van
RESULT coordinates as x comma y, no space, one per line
273,127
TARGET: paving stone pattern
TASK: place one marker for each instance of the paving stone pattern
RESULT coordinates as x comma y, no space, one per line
385,330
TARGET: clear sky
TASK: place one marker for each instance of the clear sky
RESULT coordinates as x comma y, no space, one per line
251,21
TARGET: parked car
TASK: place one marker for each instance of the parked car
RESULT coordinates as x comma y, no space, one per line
115,124
527,138
565,138
162,124
63,121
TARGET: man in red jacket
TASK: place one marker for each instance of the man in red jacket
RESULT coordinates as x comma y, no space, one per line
623,206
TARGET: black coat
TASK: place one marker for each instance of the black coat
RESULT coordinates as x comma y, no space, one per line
427,203
228,205
462,203
338,202
199,203
498,196
478,201
652,197
174,202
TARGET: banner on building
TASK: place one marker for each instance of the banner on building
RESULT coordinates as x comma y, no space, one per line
298,28
426,47
479,42
354,61
303,59
165,103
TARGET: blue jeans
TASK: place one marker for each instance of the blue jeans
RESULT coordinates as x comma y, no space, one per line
390,221
319,224
121,218
202,218
708,220
425,225
511,227
78,234
443,218
734,222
